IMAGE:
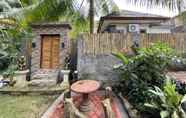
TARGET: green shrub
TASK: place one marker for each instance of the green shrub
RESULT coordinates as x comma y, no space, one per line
4,60
168,101
143,71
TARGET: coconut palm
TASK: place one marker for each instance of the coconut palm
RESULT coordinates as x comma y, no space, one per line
172,4
52,10
106,6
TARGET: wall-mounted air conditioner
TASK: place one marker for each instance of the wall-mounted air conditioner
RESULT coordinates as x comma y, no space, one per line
134,28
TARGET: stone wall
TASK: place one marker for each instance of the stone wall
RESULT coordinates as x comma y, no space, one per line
38,31
99,67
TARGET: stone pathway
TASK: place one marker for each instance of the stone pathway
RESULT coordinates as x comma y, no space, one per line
178,75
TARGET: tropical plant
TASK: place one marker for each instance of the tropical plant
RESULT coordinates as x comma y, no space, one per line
172,4
4,60
168,101
9,73
59,10
10,43
142,71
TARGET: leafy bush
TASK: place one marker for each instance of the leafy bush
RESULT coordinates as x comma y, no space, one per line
143,71
4,60
10,43
168,101
180,87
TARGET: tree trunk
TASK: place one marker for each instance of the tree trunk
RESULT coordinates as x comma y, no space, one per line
91,15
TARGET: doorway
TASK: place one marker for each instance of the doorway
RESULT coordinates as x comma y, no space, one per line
50,47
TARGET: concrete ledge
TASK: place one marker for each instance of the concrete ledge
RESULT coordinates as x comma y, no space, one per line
40,92
132,113
31,91
21,72
53,106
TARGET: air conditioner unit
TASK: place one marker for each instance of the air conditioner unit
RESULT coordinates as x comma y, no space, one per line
134,28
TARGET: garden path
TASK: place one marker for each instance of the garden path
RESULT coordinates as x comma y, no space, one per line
178,75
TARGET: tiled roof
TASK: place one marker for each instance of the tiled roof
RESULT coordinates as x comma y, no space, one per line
125,13
48,24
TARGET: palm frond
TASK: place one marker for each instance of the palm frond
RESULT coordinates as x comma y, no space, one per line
7,21
171,4
55,10
104,7
4,5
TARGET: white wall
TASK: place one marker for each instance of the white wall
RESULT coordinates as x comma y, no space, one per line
155,29
158,30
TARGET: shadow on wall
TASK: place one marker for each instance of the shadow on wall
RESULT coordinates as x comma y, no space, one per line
98,67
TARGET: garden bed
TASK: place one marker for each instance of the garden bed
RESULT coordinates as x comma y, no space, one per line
24,106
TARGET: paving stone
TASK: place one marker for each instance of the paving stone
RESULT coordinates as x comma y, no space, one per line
178,75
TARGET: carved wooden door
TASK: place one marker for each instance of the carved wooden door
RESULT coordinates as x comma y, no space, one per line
50,52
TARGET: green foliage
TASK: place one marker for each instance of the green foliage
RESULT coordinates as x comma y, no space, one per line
29,11
9,73
143,71
173,5
10,43
4,60
121,57
168,101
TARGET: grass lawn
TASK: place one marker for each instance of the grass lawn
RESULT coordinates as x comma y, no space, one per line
24,106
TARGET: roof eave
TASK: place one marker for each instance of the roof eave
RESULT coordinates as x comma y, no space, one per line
102,19
66,25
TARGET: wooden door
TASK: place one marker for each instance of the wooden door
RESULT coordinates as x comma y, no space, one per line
50,52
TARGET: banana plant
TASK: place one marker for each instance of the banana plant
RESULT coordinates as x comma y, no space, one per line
169,101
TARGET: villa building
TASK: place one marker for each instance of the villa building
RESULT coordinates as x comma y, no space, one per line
130,21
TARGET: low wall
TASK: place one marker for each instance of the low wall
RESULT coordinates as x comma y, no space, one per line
98,67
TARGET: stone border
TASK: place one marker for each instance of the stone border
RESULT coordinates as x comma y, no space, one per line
128,108
32,92
53,106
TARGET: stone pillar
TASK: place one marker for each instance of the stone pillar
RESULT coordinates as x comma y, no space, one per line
65,84
79,55
20,77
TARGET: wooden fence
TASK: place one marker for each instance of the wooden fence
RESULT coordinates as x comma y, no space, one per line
107,43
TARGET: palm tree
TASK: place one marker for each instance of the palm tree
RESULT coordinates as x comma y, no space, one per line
50,10
91,15
100,6
172,4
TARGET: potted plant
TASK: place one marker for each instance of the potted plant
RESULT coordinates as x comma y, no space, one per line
8,75
20,74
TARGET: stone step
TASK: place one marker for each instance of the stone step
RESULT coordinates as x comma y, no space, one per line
45,76
42,82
